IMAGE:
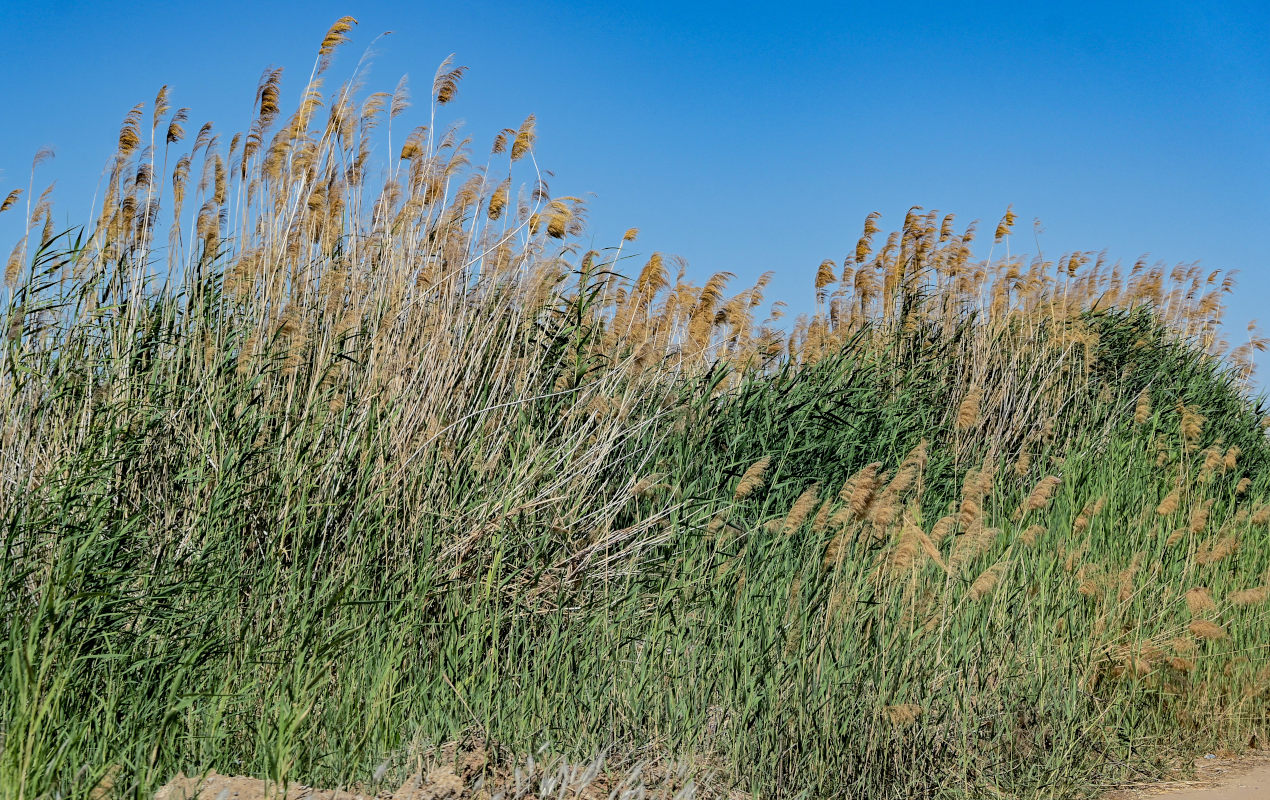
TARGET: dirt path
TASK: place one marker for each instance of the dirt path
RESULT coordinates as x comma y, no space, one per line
1246,778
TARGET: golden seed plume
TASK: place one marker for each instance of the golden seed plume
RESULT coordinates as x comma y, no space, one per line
1249,597
1006,224
1039,497
630,235
943,526
752,479
864,247
130,131
161,105
10,200
1142,411
801,510
968,409
1199,517
903,715
1216,548
336,36
498,200
400,98
825,273
1032,534
987,581
1180,664
1206,629
42,155
1199,601
1023,464
1192,424
646,484
862,487
446,83
1170,503
524,140
176,126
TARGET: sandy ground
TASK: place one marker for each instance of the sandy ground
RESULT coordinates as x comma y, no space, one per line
1228,778
1243,778
463,774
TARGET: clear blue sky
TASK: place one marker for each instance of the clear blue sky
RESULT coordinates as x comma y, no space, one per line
745,137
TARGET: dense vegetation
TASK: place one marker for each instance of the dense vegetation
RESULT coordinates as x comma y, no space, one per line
355,466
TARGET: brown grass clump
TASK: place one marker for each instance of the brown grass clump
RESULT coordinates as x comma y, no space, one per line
1249,597
1207,629
1039,497
753,478
801,510
1142,409
970,545
859,490
1087,514
1199,601
1170,503
904,714
987,581
968,410
1199,517
1216,548
1192,424
943,527
1032,534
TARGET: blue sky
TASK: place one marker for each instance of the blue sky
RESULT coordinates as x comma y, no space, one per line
744,137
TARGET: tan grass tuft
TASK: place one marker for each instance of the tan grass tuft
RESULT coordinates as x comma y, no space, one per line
446,83
987,581
801,510
1039,497
752,479
1199,517
1199,601
1192,424
859,491
647,484
970,545
130,131
969,408
1142,410
336,36
1169,504
10,200
1032,535
1207,629
1249,597
1023,464
524,140
903,715
943,527
1217,548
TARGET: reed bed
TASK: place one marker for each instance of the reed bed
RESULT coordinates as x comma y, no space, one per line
313,460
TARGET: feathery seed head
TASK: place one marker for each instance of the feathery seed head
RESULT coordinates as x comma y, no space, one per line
752,479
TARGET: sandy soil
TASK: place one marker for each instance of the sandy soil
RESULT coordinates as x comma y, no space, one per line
1232,778
463,774
1228,778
